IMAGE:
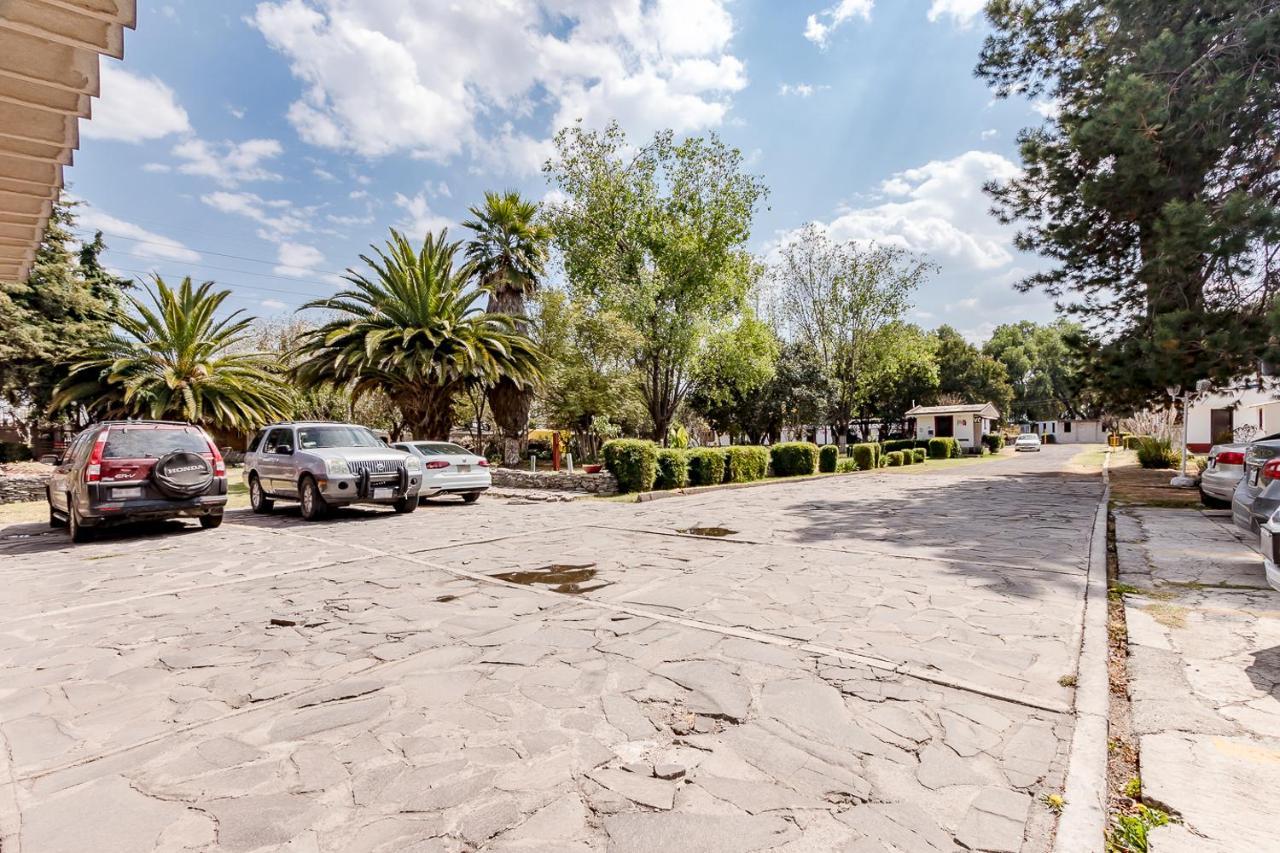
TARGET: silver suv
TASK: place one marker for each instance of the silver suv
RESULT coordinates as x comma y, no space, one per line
321,465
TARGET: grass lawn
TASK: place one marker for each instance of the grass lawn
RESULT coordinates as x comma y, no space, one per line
30,511
1133,485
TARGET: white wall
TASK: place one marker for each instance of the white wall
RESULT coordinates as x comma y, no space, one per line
1199,412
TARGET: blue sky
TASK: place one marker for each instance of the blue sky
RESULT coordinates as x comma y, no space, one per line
265,144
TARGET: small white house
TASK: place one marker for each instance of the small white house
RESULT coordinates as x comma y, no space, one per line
1247,409
1071,430
965,423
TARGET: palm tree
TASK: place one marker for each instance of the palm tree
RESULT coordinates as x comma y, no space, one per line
509,254
414,330
175,359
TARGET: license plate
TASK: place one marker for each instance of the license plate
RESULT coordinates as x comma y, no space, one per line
464,469
131,492
383,494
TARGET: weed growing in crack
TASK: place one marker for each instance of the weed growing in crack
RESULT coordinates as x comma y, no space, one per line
1129,831
1054,802
1067,681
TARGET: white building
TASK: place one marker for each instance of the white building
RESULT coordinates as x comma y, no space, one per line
965,423
1071,430
1248,409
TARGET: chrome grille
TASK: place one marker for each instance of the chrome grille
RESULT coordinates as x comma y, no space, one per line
389,467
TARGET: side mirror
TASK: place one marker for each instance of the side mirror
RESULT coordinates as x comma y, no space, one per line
284,449
57,460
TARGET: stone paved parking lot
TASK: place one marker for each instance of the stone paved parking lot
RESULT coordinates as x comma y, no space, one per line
863,663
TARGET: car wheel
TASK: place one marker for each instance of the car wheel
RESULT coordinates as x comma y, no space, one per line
258,498
1213,503
471,497
406,504
54,519
79,533
313,504
209,522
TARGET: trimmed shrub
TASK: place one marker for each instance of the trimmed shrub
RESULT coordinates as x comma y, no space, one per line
908,456
14,451
828,459
633,462
745,463
865,455
943,448
894,459
794,457
846,466
920,455
993,441
706,466
1133,442
673,469
899,444
1157,453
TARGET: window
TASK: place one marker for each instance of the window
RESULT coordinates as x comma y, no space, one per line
152,442
440,448
337,436
278,436
256,441
1066,426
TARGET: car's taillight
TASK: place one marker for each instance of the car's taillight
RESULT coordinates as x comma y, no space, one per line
1271,471
437,464
483,463
1230,457
93,469
219,465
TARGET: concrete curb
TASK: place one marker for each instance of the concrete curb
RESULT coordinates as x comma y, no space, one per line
1083,823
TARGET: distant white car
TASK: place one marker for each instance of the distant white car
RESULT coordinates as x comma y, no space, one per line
448,469
1027,441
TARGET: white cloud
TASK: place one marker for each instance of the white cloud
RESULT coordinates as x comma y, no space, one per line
143,243
938,209
134,108
800,90
818,27
228,163
419,219
1047,107
157,168
962,12
297,259
349,221
279,218
274,304
990,133
427,76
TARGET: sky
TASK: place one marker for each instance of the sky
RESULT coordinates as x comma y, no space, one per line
264,145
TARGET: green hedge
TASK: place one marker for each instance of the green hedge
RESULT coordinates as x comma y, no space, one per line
920,455
894,458
794,457
1133,442
994,441
908,456
745,463
828,459
944,448
673,469
1157,453
706,466
846,466
866,455
900,444
14,451
633,463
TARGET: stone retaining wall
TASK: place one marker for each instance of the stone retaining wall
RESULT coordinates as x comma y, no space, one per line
555,481
21,487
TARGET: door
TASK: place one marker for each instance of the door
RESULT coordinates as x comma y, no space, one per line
944,426
1221,426
275,470
60,482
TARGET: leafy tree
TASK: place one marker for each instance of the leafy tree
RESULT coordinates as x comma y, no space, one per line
65,302
901,371
837,298
175,359
797,395
965,375
413,329
1155,189
509,254
1045,370
589,374
656,237
736,364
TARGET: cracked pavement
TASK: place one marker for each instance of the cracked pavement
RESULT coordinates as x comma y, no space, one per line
868,663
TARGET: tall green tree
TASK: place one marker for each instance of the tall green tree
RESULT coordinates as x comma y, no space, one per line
412,327
175,358
509,255
735,367
966,375
68,299
1155,189
657,237
837,297
1045,369
901,371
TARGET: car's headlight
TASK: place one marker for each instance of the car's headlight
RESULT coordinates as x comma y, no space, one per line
412,464
337,466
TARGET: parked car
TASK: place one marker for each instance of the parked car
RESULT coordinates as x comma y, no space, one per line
1271,551
322,465
1222,474
1027,441
448,469
1257,495
120,471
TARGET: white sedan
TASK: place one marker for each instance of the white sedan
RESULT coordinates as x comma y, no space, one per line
448,469
1027,441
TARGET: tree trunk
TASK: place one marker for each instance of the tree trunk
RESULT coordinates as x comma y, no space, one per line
430,412
509,402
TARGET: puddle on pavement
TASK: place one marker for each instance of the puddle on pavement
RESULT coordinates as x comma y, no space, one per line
708,531
570,580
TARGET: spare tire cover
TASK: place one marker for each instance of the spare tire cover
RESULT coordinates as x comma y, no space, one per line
181,474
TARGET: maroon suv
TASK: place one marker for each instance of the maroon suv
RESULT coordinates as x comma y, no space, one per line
121,471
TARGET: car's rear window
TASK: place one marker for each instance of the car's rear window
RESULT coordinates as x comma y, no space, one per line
440,448
142,442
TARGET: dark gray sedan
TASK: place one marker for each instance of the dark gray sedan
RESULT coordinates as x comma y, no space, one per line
1257,495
